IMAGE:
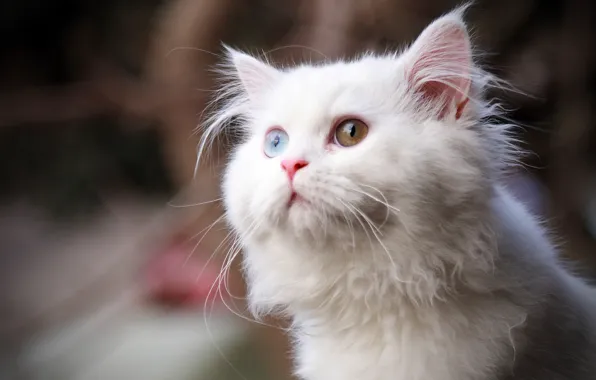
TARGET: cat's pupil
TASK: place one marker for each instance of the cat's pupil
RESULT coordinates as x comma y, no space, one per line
350,129
276,141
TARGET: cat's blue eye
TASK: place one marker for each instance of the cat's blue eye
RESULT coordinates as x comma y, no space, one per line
276,141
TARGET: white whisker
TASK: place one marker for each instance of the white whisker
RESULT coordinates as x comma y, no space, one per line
195,204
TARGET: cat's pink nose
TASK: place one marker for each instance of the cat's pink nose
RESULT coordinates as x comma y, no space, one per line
291,166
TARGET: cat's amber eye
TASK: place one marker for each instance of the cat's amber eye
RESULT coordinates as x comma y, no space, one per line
350,132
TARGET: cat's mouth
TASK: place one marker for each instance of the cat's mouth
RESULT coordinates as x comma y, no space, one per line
295,198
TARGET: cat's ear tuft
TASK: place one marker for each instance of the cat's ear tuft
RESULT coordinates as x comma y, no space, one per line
254,75
439,65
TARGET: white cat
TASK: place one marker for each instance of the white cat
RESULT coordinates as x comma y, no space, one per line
366,195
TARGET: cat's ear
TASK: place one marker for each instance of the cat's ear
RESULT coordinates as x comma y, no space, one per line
255,75
439,65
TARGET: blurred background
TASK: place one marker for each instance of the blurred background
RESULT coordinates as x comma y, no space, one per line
109,248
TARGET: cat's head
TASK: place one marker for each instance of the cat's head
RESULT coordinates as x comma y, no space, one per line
377,142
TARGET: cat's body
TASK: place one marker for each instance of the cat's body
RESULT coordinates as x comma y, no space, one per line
367,196
353,326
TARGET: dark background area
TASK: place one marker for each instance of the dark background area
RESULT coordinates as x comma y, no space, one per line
48,53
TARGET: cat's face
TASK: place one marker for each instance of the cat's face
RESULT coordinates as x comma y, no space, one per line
327,137
347,147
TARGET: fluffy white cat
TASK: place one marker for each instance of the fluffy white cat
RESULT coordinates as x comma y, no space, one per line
366,195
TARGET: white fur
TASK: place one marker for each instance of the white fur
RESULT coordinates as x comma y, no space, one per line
397,265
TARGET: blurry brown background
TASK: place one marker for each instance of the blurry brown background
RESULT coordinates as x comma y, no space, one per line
98,104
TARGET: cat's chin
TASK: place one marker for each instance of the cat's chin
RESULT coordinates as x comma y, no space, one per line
301,215
299,209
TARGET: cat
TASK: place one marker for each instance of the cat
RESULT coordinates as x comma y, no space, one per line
367,197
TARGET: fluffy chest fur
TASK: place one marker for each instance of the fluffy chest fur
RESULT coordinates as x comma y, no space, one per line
397,346
360,324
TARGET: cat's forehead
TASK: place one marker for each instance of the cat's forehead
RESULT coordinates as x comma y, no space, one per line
311,96
324,81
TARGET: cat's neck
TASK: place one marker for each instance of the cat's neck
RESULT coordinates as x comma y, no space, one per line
509,244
